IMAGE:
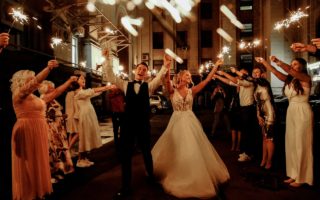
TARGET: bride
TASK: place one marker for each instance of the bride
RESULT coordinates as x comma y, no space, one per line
185,162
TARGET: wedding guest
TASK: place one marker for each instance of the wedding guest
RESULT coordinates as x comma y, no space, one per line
218,98
234,114
136,124
117,101
265,112
86,120
4,40
30,152
247,115
313,49
299,120
59,154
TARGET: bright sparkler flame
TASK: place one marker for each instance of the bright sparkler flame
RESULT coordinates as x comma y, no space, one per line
17,15
249,45
294,17
55,41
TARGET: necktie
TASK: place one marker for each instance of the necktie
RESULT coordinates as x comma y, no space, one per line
139,82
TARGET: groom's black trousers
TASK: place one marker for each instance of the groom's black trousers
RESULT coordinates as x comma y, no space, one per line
135,131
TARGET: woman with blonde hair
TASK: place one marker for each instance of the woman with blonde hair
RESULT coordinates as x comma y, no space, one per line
185,162
30,152
59,155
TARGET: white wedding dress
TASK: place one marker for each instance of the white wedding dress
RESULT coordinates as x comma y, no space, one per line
185,162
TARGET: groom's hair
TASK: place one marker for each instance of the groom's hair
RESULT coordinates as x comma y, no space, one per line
144,64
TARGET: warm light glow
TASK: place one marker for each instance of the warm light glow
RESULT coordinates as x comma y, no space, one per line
294,18
17,15
55,41
127,23
91,7
224,34
173,55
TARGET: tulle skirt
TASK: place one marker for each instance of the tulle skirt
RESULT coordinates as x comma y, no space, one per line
185,162
30,159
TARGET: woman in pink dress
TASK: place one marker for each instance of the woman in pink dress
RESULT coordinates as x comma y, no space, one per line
30,152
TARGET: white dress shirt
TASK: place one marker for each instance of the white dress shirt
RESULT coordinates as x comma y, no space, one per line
123,84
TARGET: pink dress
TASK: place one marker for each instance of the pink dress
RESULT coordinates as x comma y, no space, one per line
30,155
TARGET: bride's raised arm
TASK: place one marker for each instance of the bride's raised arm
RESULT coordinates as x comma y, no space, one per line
203,83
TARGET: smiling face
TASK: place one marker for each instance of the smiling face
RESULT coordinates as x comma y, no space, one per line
185,78
141,72
256,73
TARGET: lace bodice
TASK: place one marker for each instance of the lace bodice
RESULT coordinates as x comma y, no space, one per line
294,97
182,104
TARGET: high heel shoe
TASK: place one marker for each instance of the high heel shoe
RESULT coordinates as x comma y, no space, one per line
295,184
289,180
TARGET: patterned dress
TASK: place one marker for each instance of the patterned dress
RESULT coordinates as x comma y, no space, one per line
60,158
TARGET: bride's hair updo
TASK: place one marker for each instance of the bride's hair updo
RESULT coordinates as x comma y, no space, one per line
19,79
177,78
43,89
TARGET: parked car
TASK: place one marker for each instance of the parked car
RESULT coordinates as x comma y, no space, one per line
158,103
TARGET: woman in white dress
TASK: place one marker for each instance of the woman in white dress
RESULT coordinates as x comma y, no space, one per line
299,120
185,162
86,120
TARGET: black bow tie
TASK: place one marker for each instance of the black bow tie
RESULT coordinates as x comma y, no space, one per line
135,81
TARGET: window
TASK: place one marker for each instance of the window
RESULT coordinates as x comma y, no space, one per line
206,10
245,5
157,40
74,49
247,28
183,36
206,39
183,66
247,31
157,64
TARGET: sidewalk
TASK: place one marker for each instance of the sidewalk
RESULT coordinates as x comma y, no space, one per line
106,130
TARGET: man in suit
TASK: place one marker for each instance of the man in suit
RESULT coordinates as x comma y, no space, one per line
136,122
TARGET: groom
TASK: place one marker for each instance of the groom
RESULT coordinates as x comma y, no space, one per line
136,124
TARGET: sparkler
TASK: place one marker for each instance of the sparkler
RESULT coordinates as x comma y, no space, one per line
233,19
127,22
55,41
224,34
173,55
294,18
17,15
225,51
249,45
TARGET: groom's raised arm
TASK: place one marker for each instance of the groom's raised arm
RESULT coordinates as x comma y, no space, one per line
155,83
121,84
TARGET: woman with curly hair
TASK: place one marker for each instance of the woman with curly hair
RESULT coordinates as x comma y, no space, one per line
31,177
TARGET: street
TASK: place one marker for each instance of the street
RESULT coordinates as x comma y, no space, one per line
248,181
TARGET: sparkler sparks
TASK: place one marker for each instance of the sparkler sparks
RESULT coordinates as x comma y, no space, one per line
294,18
55,41
249,45
225,51
18,16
